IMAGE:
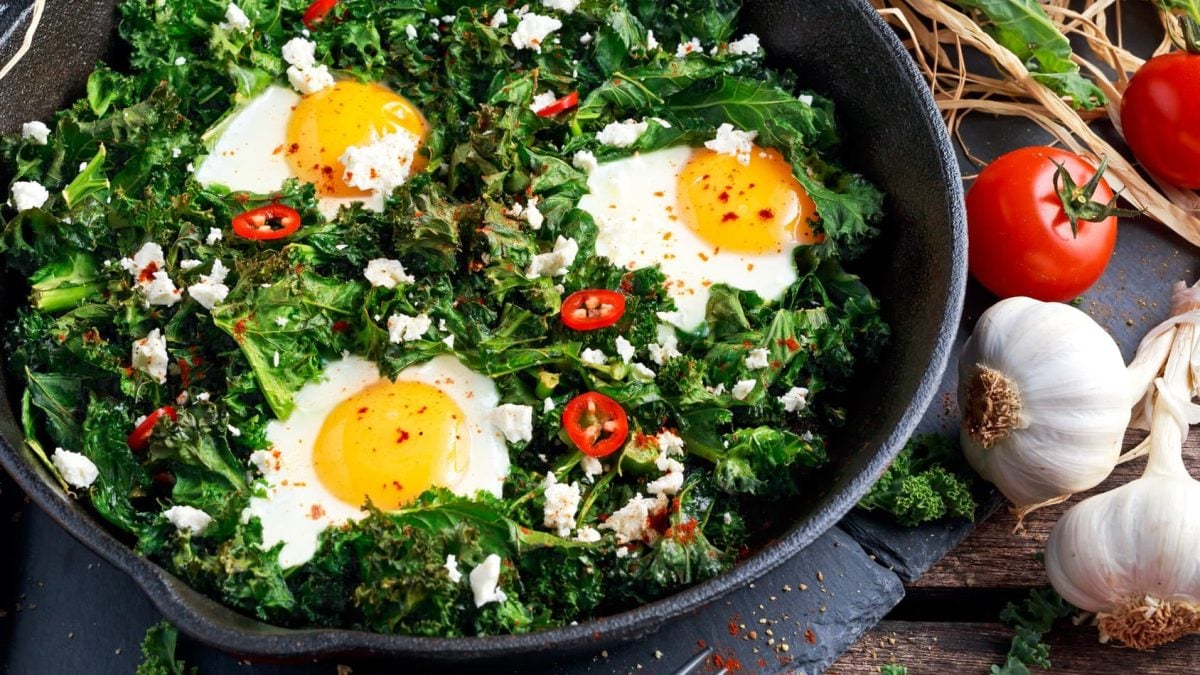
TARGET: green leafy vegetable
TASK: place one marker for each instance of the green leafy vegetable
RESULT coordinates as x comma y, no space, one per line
1031,619
158,653
928,480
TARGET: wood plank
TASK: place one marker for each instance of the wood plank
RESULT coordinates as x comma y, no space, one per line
994,557
966,648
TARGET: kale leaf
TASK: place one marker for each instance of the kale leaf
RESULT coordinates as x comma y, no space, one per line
158,653
1031,619
928,480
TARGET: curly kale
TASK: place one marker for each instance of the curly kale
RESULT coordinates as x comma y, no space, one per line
928,480
158,653
1031,619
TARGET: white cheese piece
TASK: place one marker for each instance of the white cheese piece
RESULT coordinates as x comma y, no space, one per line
300,53
547,405
532,215
533,31
591,468
161,291
748,44
214,235
514,421
651,42
150,356
485,579
672,479
405,328
385,273
35,131
410,31
383,164
562,503
731,141
188,519
688,47
588,535
179,61
758,359
795,399
625,348
27,194
594,357
642,372
669,444
585,161
76,469
564,6
235,19
212,289
452,568
542,100
631,522
556,262
310,80
806,99
622,134
499,19
742,389
189,264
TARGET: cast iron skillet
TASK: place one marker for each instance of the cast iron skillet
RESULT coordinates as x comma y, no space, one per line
893,134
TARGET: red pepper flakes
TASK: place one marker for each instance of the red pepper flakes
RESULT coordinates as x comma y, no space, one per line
339,326
809,636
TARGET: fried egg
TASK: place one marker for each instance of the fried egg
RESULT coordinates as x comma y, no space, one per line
704,218
356,436
280,134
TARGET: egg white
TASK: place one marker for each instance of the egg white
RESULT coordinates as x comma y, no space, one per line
629,200
291,486
248,151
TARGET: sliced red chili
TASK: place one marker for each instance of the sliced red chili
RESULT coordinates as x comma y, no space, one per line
274,221
140,438
596,424
316,13
592,309
561,105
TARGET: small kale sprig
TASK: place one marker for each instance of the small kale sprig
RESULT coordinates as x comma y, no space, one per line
158,653
927,481
1031,619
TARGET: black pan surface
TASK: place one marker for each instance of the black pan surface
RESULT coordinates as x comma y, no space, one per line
894,135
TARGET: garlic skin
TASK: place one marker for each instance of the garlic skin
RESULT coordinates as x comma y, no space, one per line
1045,402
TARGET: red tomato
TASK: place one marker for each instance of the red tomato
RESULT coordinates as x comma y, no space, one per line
561,105
1160,115
596,423
592,309
140,438
316,12
274,221
1020,240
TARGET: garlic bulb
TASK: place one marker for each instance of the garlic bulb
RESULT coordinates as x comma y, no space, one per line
1044,399
1132,555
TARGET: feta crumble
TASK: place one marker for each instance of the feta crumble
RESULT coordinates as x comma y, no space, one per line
262,460
214,235
76,469
585,161
28,194
642,372
533,31
688,47
160,290
748,44
588,535
622,134
594,357
758,359
189,264
188,519
542,100
651,41
625,349
300,52
806,99
669,444
485,579
731,141
179,61
564,6
35,131
150,356
666,348
591,468
795,399
405,328
411,31
499,19
672,479
585,39
671,318
547,405
630,522
514,421
452,568
742,389
385,273
383,164
556,262
562,503
211,289
235,19
529,212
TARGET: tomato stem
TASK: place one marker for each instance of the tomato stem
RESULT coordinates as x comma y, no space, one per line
1077,201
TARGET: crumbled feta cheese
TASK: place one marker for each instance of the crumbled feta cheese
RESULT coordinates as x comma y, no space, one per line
564,6
448,341
235,19
622,552
585,39
669,444
150,356
672,318
449,18
281,321
76,469
642,372
214,235
262,460
672,479
383,164
35,131
666,348
452,569
533,31
622,134
688,47
727,518
28,194
203,397
300,52
591,468
562,502
625,348
188,519
405,328
594,357
148,260
748,44
385,273
411,31
542,100
717,390
160,290
631,522
191,168
588,535
189,264
211,289
179,61
485,579
651,42
742,389
532,215
585,160
233,431
499,19
310,80
795,399
758,359
547,405
731,141
556,262
806,99
514,421
275,359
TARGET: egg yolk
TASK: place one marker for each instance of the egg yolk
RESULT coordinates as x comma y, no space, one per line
758,207
324,124
390,442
